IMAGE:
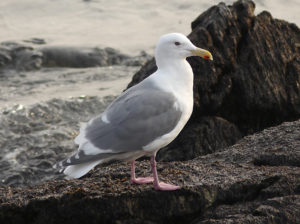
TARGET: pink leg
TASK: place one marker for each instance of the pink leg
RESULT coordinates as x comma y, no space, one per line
160,185
140,180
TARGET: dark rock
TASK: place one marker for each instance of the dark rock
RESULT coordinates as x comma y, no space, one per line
253,82
5,57
19,57
80,57
202,138
73,57
25,58
138,60
88,57
223,187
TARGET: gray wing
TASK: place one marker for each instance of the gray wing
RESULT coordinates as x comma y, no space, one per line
135,119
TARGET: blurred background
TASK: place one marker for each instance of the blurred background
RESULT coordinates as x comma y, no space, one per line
130,26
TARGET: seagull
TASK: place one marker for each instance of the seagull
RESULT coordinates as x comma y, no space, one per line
145,118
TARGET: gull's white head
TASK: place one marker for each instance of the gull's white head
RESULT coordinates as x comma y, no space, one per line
178,46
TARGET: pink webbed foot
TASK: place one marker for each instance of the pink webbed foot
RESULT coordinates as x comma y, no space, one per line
141,180
160,185
165,187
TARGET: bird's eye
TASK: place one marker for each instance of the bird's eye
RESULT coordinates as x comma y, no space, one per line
177,43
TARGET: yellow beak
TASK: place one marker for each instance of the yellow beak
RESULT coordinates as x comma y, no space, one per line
202,53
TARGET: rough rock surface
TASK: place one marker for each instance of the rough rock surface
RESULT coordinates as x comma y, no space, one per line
253,82
255,181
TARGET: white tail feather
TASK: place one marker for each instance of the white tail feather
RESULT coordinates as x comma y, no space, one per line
77,171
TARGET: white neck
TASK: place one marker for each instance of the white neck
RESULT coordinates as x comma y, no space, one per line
175,73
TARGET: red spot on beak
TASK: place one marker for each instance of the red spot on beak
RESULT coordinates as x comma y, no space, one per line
206,57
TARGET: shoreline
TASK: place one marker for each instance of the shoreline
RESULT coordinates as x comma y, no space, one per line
34,87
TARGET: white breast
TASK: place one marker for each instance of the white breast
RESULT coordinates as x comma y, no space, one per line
181,85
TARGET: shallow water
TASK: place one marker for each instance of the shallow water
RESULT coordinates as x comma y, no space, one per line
31,87
34,138
37,129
